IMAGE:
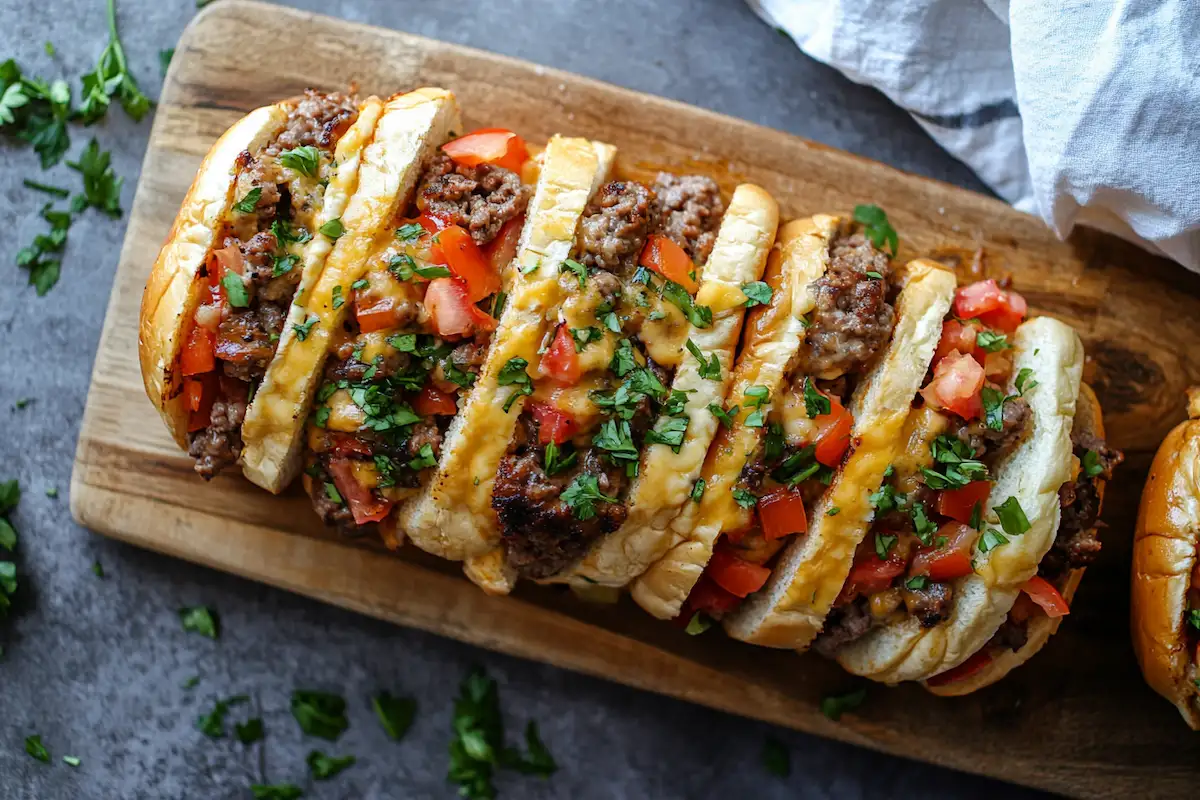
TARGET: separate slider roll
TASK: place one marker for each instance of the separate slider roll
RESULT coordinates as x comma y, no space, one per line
1166,570
985,522
225,298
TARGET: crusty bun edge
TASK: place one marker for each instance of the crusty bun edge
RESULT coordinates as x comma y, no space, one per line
774,332
172,291
1088,419
1164,556
790,610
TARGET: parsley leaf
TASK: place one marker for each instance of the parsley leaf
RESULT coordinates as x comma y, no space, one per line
248,203
212,724
623,361
553,460
305,159
164,59
1012,517
202,620
958,465
320,714
699,316
584,336
698,624
1193,617
876,227
744,498
1023,381
991,342
883,545
833,706
582,495
916,582
332,229
991,539
278,791
424,458
249,732
324,767
776,758
726,417
101,186
698,490
409,232
670,434
395,713
54,191
710,369
513,374
404,267
815,402
302,329
44,271
111,77
993,408
579,270
235,290
757,293
1091,464
35,748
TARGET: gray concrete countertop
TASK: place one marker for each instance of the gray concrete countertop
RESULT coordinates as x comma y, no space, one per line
96,665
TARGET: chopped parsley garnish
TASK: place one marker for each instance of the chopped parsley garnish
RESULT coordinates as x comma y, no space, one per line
513,374
584,336
249,732
498,303
608,317
775,758
670,434
876,227
395,713
698,624
623,361
457,376
582,495
360,284
40,259
756,397
202,620
1023,381
698,490
54,191
917,582
886,499
815,403
834,706
757,293
744,498
579,270
797,467
976,520
424,459
409,232
248,203
883,545
676,404
833,512
111,78
332,493
699,316
923,526
306,160
556,459
235,290
991,539
404,268
277,791
35,111
726,417
304,328
616,439
958,465
991,342
1091,464
320,714
164,59
1012,517
873,275
993,408
338,299
212,724
332,229
1193,617
710,369
97,569
323,767
35,748
282,229
281,264
321,416
773,443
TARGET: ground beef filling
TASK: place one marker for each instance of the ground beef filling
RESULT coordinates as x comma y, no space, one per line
478,199
852,319
615,226
248,336
1075,544
691,208
989,444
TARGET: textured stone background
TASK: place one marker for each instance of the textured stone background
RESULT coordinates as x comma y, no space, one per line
96,665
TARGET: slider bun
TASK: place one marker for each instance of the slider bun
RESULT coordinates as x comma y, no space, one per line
172,291
1040,628
1164,557
1033,473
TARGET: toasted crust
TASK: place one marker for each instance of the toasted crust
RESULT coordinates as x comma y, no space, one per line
453,517
379,162
1087,419
665,480
172,291
774,332
1164,557
1033,473
790,610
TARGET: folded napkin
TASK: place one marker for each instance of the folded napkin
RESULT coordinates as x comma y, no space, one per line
1083,112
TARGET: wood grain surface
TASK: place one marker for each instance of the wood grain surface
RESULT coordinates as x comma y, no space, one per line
1078,719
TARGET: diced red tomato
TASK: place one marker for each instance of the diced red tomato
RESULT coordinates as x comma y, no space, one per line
709,598
956,386
375,313
833,433
871,574
1042,592
669,260
343,444
501,250
227,259
736,575
554,425
561,363
199,352
960,336
458,250
363,503
200,392
991,305
959,504
781,513
964,670
497,146
451,311
431,222
432,403
953,560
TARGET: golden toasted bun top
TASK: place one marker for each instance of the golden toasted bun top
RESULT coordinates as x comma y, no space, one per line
1164,558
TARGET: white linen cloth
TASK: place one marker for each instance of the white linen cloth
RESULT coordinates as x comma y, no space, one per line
1083,112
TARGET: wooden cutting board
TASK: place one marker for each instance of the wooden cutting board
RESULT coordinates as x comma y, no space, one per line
1078,719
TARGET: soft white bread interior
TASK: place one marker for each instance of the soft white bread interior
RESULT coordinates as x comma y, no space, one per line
273,429
774,332
452,517
1164,563
790,610
172,292
665,478
1032,473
